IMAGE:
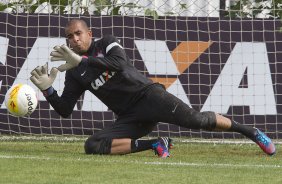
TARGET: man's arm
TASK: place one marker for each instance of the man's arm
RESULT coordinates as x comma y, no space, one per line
114,55
64,105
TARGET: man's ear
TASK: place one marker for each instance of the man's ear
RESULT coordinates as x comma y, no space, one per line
90,33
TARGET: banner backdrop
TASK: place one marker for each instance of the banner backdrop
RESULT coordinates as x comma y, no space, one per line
232,67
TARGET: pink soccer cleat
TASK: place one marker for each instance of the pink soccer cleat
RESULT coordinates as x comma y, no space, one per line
264,142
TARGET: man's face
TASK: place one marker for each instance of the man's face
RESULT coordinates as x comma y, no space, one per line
79,37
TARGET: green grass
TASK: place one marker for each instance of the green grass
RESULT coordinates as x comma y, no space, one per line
58,162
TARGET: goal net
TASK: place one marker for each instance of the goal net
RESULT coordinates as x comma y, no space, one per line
230,66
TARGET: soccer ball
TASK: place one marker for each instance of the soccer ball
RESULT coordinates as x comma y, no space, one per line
21,100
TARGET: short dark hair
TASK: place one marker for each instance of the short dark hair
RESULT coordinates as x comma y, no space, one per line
73,21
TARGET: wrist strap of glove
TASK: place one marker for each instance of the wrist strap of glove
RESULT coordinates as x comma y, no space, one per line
48,92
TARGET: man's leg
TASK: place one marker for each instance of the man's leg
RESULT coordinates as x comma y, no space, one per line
223,123
123,138
161,146
212,121
120,146
173,110
126,145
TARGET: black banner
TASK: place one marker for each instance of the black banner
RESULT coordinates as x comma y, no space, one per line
210,47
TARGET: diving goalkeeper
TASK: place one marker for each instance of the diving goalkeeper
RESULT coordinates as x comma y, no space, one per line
103,68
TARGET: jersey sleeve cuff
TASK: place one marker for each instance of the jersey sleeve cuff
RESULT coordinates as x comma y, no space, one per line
48,91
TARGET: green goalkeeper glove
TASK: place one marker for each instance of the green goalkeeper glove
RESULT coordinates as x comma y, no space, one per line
41,79
64,53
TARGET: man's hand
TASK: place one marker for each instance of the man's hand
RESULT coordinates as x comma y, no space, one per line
64,53
41,79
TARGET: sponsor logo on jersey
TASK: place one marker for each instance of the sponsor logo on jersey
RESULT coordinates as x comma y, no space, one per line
102,79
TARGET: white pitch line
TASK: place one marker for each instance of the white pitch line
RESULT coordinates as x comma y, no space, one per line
104,160
212,164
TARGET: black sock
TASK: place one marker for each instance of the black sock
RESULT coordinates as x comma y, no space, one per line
141,145
243,129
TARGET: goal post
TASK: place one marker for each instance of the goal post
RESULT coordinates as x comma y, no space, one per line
230,66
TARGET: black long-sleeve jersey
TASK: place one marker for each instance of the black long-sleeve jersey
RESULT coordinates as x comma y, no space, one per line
108,73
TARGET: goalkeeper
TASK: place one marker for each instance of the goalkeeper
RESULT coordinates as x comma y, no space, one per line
103,68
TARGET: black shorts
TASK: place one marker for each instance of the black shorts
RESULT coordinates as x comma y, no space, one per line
157,105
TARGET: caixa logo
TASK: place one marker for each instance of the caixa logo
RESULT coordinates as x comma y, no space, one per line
167,65
226,92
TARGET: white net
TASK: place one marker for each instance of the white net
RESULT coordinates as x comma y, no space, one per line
200,8
230,66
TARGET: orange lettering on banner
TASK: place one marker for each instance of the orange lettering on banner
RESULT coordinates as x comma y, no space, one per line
164,81
183,55
187,52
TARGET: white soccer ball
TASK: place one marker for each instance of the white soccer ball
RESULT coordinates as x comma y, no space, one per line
21,100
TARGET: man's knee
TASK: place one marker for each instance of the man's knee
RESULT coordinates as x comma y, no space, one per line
206,120
98,146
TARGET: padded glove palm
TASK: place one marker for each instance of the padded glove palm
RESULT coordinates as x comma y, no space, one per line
41,79
64,53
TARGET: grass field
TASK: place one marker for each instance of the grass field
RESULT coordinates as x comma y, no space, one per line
65,162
